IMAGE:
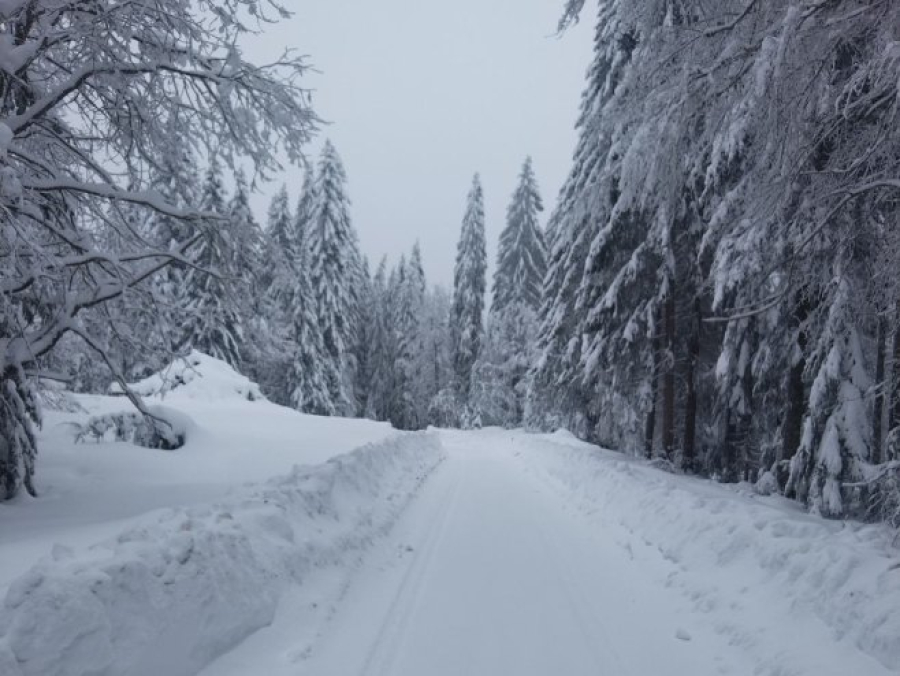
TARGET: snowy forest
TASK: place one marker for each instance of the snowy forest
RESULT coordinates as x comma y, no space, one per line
715,288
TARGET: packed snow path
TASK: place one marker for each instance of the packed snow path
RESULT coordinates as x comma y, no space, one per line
493,570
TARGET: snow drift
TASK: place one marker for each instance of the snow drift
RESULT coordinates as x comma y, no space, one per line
174,592
197,376
791,566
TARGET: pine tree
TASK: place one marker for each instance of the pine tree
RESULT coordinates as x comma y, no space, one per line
247,263
213,322
271,321
293,361
518,284
364,343
705,247
437,371
557,395
311,370
521,259
469,287
281,231
381,364
420,366
836,437
303,216
334,271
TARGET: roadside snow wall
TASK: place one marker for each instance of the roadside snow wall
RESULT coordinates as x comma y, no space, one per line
759,568
171,595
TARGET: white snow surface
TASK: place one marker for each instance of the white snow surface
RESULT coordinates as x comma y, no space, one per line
797,593
538,555
92,491
440,553
197,376
175,591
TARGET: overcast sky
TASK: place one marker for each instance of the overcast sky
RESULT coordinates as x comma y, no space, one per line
422,94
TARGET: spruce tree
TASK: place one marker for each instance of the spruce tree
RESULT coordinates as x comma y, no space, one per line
303,216
311,372
381,350
246,285
469,285
522,258
247,238
334,264
281,230
213,322
363,343
556,395
420,359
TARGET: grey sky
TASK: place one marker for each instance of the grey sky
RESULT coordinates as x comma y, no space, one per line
420,95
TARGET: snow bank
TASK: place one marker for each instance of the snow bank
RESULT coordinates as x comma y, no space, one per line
181,588
197,376
760,569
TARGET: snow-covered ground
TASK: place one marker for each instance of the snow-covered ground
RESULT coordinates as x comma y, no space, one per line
92,490
477,553
538,555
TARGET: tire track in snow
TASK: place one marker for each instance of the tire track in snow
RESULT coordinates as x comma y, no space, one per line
393,631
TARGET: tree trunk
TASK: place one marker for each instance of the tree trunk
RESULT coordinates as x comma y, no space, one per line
668,412
792,429
878,412
690,404
650,426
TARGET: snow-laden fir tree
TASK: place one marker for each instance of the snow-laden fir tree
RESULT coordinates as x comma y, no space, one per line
248,264
364,340
380,357
271,320
292,362
437,361
334,264
213,321
415,329
557,395
521,256
733,175
311,371
499,380
469,286
304,214
836,439
280,237
401,336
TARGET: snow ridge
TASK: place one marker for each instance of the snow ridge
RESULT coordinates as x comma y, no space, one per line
172,594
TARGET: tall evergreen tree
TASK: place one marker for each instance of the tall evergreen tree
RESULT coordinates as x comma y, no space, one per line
281,230
311,371
247,238
304,214
381,351
416,328
334,263
469,286
521,259
364,340
213,321
709,239
557,395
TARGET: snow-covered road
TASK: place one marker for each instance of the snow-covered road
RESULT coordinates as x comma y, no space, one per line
493,570
502,579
